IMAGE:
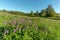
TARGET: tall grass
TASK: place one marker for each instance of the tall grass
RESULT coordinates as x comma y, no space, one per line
18,27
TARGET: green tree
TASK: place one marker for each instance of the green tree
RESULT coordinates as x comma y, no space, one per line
43,13
32,14
50,11
37,13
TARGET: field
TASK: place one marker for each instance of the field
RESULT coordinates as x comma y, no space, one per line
19,27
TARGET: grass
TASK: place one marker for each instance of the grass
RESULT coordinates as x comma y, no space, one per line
32,28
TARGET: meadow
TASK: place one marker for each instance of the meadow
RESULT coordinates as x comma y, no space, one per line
19,27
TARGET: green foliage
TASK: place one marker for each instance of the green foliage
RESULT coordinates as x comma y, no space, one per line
24,31
37,13
32,14
20,27
43,13
48,12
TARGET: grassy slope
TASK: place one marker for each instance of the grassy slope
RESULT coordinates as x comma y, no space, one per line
52,25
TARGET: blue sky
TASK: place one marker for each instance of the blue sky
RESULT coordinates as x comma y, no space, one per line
28,5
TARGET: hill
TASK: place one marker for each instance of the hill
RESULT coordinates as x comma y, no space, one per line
19,27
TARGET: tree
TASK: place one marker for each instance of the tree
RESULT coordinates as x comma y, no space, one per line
4,10
50,11
37,13
32,14
43,13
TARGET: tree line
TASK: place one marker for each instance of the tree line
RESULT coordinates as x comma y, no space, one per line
48,12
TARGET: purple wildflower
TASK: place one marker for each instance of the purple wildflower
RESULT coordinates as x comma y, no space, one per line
14,30
5,22
6,31
17,28
14,22
18,19
30,21
22,20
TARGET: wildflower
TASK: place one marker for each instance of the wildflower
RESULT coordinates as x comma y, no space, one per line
22,20
14,22
17,28
14,30
6,31
10,22
5,22
18,19
30,21
36,28
25,27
